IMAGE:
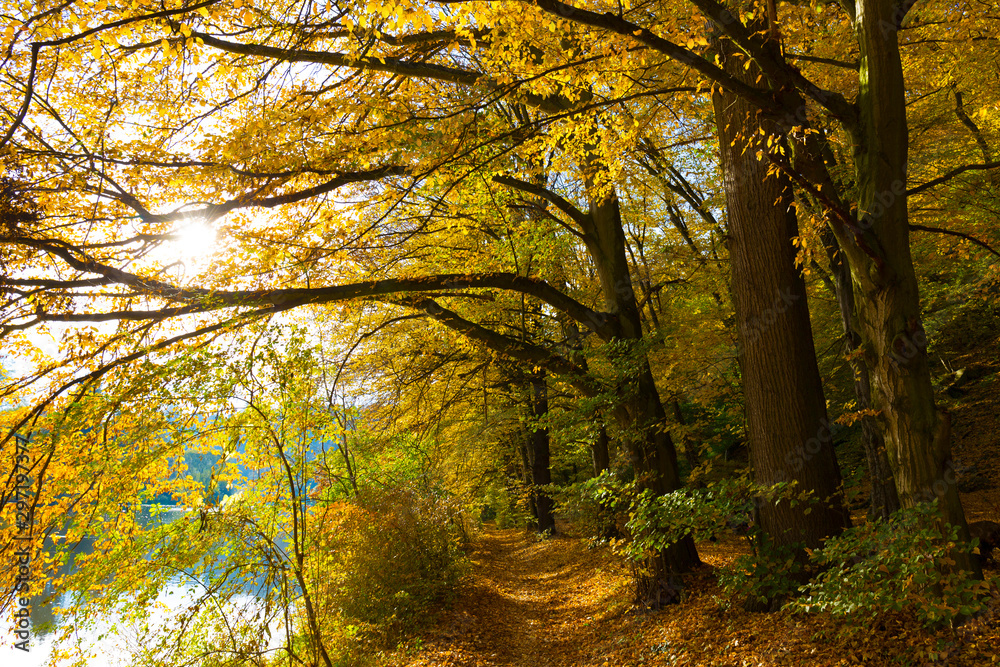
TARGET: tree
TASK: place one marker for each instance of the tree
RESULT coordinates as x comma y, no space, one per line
790,435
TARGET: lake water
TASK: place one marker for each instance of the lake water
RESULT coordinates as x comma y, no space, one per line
111,642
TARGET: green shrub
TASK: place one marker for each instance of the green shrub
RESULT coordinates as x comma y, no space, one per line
771,574
506,503
904,564
656,522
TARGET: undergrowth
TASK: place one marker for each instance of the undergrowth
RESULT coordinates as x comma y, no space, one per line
904,565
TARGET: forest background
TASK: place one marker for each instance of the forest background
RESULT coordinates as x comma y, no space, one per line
374,271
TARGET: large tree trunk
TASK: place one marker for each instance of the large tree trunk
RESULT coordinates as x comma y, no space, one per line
789,434
918,436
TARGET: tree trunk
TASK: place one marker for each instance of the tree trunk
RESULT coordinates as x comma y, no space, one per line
637,409
540,473
600,451
918,437
640,412
884,499
789,435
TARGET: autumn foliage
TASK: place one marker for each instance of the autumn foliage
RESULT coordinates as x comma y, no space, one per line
295,294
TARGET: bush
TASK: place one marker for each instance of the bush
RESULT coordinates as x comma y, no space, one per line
771,574
383,557
656,522
904,564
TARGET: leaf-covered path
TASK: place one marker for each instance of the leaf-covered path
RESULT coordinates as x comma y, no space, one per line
527,603
556,603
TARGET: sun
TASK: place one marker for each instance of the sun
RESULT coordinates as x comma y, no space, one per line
190,246
195,240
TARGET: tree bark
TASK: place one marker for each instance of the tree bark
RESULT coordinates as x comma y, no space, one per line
877,243
790,438
540,473
884,499
918,436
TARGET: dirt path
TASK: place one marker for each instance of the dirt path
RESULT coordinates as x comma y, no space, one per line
556,603
526,602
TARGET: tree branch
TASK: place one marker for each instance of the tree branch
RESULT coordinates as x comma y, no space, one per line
510,347
824,61
774,65
215,211
950,175
69,39
619,25
199,300
578,216
387,64
949,232
984,147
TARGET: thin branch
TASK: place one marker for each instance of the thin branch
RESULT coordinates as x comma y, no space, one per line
824,61
215,211
967,121
106,368
29,91
69,39
950,232
510,347
198,300
950,175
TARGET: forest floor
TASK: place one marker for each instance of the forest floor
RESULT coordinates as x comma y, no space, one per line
556,602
